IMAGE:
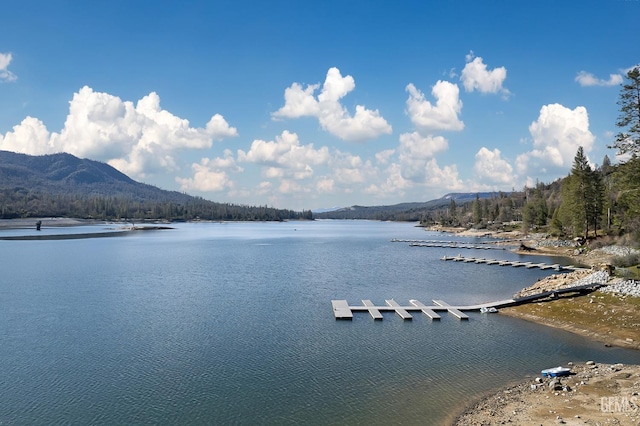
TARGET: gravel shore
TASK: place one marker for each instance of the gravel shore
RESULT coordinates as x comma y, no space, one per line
593,394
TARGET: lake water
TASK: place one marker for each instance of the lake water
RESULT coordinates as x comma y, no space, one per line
231,323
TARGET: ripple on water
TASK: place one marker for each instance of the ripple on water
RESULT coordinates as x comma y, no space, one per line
232,324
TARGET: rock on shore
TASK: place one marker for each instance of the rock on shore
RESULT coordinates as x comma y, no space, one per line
593,394
560,281
624,288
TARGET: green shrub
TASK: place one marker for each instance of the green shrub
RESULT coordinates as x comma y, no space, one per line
625,261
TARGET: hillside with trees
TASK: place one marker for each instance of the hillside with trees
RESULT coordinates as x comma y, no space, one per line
61,185
590,201
409,212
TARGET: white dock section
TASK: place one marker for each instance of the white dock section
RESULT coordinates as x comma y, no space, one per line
375,312
425,309
453,311
399,310
341,309
514,263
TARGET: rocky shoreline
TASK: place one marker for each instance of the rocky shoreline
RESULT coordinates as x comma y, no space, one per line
593,394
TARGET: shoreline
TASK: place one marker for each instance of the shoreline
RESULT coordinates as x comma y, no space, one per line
592,393
531,401
56,222
124,228
606,339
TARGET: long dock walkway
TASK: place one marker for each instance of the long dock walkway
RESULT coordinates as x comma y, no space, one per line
458,246
514,263
485,245
452,242
342,309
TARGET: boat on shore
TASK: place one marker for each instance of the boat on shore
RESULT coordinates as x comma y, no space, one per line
556,372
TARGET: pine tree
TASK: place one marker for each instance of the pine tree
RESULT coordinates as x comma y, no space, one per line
584,196
626,183
477,211
628,142
578,192
453,214
556,223
596,200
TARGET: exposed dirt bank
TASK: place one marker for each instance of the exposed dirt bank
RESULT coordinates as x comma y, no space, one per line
594,394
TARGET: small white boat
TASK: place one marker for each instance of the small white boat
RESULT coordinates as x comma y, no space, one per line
490,310
556,372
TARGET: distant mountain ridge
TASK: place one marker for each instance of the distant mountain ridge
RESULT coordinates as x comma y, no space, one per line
68,186
402,211
64,173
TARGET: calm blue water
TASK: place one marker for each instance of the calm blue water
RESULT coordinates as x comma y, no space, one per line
232,324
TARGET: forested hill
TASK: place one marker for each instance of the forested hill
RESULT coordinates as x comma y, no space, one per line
404,211
64,185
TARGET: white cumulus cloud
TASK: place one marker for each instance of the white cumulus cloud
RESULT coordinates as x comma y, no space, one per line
349,169
325,185
383,157
417,146
443,115
205,179
556,134
139,140
491,168
587,79
5,74
394,185
415,152
365,124
475,76
211,174
443,177
285,156
30,137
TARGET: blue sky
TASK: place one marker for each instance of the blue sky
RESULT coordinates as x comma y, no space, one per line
308,105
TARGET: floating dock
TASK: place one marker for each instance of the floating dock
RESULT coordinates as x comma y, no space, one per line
453,311
342,309
375,313
425,309
399,310
451,242
457,246
514,263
